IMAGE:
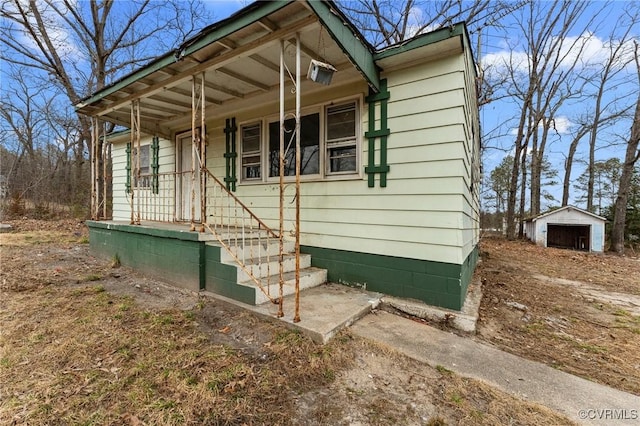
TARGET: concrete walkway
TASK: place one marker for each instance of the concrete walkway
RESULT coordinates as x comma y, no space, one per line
580,400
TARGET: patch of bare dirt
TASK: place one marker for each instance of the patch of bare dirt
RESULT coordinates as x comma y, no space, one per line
571,310
85,341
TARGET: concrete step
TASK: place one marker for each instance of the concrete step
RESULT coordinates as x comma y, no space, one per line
309,277
260,268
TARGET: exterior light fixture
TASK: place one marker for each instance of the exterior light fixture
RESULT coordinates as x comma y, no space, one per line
320,72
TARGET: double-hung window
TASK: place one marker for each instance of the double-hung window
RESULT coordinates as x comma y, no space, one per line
341,140
251,158
329,144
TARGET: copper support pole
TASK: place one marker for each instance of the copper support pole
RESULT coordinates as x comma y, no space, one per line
280,236
296,317
104,168
138,175
194,137
203,156
94,190
132,139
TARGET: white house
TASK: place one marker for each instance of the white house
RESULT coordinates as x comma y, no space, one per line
389,158
567,227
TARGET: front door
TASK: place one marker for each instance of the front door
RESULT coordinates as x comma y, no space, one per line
184,197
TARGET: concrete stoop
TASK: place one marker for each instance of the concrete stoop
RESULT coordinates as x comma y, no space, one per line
324,309
464,320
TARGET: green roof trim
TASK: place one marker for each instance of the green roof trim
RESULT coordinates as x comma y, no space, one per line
233,23
346,36
352,45
422,40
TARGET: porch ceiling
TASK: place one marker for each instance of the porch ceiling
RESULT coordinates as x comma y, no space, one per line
241,70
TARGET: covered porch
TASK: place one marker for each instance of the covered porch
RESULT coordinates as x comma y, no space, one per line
180,176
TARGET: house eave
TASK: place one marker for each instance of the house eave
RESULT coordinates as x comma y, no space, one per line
202,49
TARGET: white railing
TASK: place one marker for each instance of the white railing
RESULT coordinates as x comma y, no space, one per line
245,237
155,197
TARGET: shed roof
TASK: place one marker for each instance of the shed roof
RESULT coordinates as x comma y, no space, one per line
569,208
239,59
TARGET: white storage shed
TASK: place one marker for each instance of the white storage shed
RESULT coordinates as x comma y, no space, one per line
568,227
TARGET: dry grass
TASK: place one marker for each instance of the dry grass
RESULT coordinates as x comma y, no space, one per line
84,356
78,346
590,338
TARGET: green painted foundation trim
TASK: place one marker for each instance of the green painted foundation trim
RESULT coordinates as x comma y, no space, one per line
382,168
220,278
231,153
173,256
166,255
436,283
138,229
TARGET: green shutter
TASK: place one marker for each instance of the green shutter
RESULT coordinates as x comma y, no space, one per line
382,133
155,164
230,154
128,167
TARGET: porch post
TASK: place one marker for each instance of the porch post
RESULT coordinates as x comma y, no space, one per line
203,156
105,157
134,160
94,144
280,255
296,317
138,175
194,152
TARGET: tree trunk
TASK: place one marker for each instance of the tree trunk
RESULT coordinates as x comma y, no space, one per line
513,189
620,210
568,165
523,194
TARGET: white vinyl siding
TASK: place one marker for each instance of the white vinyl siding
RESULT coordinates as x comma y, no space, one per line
166,161
421,212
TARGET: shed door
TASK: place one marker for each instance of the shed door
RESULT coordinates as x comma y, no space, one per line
575,237
184,180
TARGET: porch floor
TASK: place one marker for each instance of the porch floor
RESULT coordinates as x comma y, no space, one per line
168,226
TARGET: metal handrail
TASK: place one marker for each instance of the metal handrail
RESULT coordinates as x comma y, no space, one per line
235,213
237,200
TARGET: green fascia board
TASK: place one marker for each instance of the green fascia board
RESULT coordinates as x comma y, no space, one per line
217,31
233,23
152,67
352,45
445,33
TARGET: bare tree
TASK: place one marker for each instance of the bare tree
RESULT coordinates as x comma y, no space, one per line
82,46
387,22
603,112
541,79
631,157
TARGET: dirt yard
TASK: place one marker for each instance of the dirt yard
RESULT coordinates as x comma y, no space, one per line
85,341
575,311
